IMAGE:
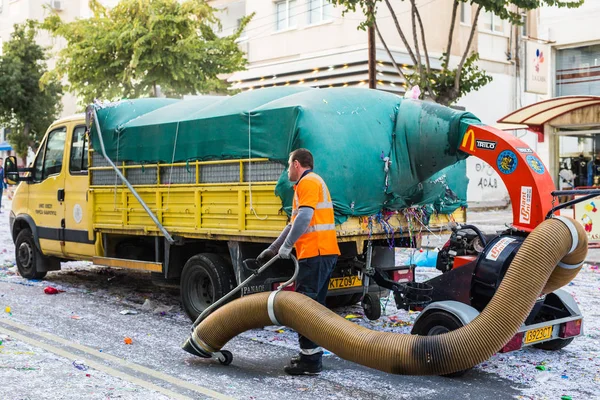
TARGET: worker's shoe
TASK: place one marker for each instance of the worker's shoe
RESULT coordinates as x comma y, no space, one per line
304,368
305,364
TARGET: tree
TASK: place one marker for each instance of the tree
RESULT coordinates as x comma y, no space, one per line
27,106
447,85
131,49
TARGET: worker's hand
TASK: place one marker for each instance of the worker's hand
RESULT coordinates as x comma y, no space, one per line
265,257
285,251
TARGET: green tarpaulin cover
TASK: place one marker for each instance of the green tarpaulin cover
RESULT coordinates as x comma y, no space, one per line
374,149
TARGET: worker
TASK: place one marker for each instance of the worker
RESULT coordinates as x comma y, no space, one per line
312,232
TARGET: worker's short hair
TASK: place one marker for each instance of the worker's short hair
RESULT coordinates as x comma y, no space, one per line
304,157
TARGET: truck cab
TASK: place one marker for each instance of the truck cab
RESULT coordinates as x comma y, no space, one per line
49,220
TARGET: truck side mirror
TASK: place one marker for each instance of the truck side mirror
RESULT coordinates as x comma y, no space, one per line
11,173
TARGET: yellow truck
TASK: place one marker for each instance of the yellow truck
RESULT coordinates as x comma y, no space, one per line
193,222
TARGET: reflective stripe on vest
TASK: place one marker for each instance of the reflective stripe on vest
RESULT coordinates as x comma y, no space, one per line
321,205
320,227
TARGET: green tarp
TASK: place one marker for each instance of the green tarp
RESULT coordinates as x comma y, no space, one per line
351,132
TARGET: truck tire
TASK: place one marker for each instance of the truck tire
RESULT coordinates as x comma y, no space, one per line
28,256
436,323
205,279
554,345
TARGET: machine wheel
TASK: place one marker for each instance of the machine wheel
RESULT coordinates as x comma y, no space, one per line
205,279
553,345
28,256
436,323
227,357
371,306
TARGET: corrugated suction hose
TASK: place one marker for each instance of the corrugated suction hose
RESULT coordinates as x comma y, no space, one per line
549,258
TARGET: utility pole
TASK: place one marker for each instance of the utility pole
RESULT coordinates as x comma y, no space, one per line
371,40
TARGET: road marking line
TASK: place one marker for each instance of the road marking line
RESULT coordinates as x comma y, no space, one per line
148,371
95,365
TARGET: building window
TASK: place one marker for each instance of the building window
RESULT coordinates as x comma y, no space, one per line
577,70
491,22
319,11
465,13
286,14
524,26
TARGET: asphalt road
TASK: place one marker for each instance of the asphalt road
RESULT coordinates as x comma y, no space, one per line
84,324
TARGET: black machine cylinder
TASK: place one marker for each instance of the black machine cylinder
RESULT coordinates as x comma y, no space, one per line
491,267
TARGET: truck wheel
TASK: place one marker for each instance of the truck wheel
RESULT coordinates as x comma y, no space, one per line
371,306
553,345
205,279
436,323
28,256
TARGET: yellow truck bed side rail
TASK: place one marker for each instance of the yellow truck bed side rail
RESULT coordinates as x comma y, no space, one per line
214,200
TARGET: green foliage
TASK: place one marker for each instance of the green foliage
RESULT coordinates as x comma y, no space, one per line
472,78
441,84
129,50
27,107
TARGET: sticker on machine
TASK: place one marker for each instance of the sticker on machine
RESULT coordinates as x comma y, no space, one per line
498,248
77,213
525,205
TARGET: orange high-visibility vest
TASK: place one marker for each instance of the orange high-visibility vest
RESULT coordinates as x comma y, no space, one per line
320,237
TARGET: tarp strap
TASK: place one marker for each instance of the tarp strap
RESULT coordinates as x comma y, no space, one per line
250,167
172,161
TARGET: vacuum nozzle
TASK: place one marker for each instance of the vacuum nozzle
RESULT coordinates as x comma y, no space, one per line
192,348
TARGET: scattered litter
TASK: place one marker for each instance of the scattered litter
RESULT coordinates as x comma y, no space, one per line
128,340
565,397
274,328
352,316
162,309
148,305
80,365
541,367
128,312
88,375
544,376
7,309
52,290
76,317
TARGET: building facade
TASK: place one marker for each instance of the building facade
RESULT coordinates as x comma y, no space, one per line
574,48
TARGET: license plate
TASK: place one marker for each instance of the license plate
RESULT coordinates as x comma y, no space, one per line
535,335
344,282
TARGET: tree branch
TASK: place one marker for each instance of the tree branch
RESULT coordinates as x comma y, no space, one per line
390,55
416,40
428,65
451,33
464,57
422,37
401,33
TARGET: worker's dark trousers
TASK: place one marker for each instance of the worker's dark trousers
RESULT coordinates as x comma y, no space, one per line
313,281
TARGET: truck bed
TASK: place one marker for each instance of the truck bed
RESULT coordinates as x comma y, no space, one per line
219,200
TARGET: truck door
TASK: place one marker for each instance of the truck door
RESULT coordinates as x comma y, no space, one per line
46,191
79,237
